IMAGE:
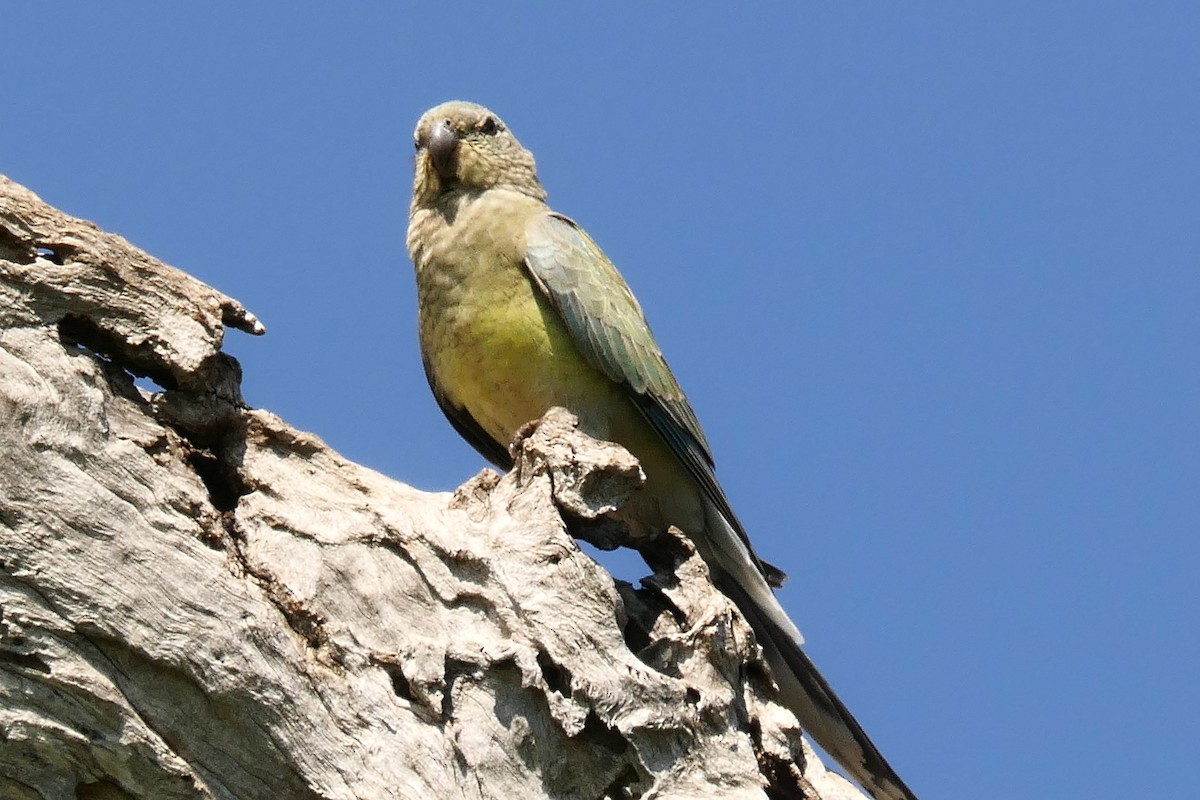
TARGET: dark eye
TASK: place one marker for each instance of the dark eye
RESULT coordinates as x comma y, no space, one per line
489,126
416,144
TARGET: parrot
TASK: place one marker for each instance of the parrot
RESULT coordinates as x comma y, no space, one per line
519,310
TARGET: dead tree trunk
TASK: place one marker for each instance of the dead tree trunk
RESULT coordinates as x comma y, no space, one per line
199,601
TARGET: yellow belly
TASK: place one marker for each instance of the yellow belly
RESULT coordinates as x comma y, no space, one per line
498,350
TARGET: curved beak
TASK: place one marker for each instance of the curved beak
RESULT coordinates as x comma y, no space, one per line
443,143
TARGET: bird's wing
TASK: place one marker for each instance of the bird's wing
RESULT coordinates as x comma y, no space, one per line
608,326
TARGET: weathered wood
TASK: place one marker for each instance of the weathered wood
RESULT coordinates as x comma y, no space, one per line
199,601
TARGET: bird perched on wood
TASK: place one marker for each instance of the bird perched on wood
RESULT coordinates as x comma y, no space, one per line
521,311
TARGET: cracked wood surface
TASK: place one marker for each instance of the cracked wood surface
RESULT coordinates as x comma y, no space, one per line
199,601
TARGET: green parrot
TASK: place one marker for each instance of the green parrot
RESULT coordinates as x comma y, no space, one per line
521,311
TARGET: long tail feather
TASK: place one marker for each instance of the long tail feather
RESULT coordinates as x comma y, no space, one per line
820,711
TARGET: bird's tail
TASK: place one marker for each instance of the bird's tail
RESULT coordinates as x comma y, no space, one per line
820,711
804,690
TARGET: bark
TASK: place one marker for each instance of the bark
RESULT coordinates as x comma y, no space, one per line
199,601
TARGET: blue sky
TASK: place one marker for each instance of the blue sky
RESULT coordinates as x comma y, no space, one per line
927,271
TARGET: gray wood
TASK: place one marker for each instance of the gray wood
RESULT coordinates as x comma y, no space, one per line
199,601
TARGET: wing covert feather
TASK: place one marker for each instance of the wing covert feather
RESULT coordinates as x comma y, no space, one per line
609,328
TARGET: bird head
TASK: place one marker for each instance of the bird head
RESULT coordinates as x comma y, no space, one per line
465,147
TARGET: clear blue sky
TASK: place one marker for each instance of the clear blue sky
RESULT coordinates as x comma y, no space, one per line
929,273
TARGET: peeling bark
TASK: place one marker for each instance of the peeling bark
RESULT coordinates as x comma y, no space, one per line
199,601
